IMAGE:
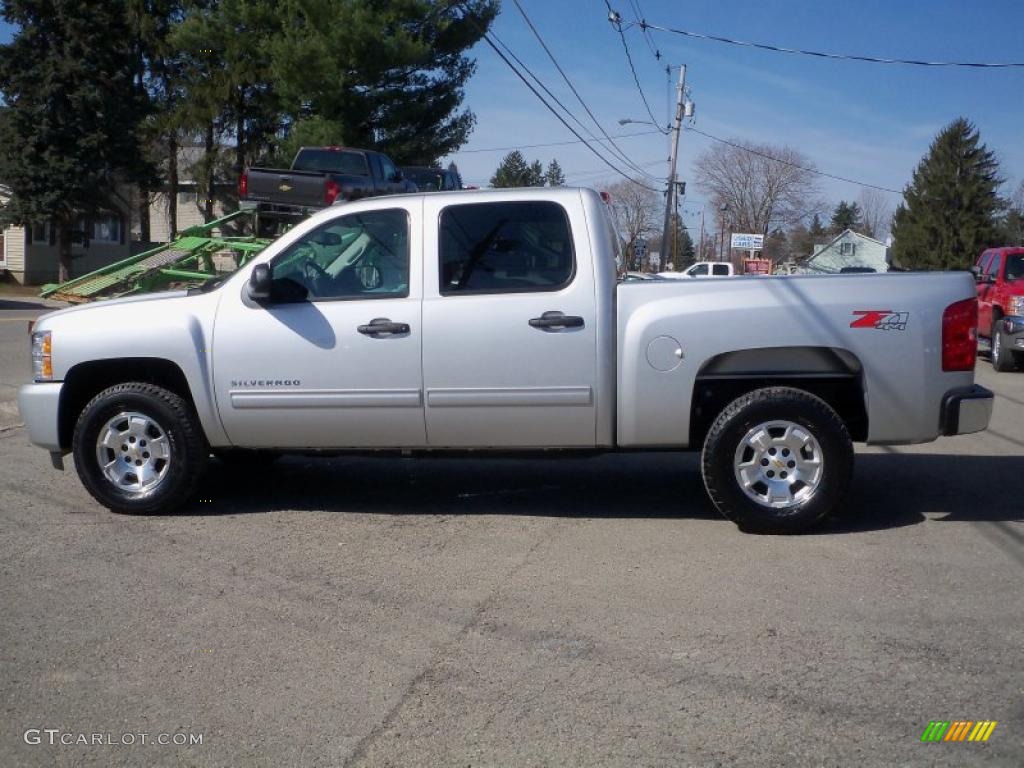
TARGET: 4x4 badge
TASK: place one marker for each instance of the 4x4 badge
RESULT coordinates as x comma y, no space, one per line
881,319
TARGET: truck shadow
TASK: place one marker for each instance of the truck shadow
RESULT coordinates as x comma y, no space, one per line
889,490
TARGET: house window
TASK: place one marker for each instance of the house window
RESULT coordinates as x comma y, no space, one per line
41,232
186,197
106,228
847,249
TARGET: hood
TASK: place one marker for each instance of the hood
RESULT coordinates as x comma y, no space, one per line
95,305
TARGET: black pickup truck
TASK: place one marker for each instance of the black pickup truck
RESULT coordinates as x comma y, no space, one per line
319,177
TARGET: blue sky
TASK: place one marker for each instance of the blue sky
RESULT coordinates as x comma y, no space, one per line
864,121
869,122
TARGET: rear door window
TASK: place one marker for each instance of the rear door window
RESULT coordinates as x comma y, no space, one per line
388,170
510,247
720,269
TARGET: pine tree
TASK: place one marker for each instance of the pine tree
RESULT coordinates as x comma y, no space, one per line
554,176
225,51
453,168
74,103
846,216
389,73
680,252
514,172
949,210
816,231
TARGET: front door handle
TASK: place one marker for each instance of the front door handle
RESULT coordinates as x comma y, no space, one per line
556,320
380,326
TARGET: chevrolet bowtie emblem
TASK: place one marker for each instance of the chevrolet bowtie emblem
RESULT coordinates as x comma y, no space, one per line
285,187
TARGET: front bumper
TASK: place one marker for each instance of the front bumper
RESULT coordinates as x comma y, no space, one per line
966,410
1013,332
39,405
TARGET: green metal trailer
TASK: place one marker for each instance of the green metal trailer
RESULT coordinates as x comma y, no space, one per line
184,262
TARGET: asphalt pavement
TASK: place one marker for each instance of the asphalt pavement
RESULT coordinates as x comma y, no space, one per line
591,612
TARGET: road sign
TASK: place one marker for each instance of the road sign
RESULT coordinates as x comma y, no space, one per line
640,247
757,266
747,242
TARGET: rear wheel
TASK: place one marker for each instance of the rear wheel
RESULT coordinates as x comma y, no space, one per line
777,460
139,448
1003,359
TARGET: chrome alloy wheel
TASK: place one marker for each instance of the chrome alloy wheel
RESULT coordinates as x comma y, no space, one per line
779,464
133,453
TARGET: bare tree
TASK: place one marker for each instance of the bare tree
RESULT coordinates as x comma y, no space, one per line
636,211
761,186
875,213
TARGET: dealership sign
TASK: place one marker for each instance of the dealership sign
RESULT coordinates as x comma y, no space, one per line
747,242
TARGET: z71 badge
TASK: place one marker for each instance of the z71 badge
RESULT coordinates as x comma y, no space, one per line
881,319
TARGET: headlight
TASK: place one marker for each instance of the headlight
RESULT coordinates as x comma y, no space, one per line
42,362
1016,305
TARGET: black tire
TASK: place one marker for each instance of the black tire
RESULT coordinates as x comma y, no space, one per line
1003,359
763,406
186,447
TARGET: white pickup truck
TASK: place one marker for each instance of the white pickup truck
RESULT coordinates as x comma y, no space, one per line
492,321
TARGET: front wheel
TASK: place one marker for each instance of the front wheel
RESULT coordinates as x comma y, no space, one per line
777,460
139,448
1003,359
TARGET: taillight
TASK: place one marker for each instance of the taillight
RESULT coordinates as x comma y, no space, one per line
243,185
960,335
331,191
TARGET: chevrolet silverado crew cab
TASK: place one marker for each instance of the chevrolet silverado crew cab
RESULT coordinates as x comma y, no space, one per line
1000,276
493,321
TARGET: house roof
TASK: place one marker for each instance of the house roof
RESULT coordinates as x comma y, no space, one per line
819,248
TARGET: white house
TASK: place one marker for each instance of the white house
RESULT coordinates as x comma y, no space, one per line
848,250
30,255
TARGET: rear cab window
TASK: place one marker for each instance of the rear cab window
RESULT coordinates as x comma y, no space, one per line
507,247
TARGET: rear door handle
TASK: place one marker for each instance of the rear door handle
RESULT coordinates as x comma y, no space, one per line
556,320
380,326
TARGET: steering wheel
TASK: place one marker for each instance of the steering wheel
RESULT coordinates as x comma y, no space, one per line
314,275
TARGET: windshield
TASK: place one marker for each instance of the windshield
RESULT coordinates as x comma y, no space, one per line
330,161
1015,266
426,179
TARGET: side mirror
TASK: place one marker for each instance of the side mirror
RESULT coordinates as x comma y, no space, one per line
260,282
398,176
976,271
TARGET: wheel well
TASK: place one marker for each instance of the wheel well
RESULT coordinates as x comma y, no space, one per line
834,375
86,380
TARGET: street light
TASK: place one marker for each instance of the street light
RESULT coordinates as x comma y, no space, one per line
628,120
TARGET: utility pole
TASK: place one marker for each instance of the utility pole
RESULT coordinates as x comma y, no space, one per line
677,126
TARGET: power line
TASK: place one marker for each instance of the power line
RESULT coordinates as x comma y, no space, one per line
821,55
599,172
691,129
648,37
617,150
552,110
558,101
616,21
550,144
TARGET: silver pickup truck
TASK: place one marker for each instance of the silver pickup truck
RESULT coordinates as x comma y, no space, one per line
493,321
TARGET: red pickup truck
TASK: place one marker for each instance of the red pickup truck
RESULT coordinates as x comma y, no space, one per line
1000,276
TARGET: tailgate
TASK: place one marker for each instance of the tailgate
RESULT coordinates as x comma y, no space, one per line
299,188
